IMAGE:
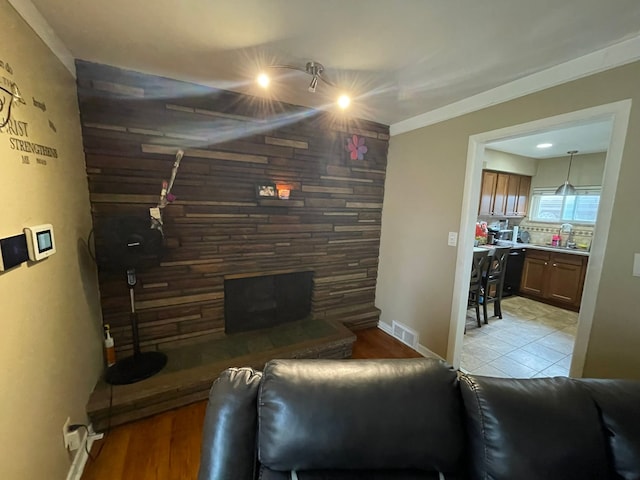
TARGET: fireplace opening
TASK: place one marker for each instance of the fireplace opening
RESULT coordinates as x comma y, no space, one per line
265,301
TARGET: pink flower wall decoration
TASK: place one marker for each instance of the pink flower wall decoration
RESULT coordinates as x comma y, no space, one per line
356,147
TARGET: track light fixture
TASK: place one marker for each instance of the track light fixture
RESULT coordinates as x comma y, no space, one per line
313,84
312,68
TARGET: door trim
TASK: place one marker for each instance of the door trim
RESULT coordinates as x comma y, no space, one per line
619,113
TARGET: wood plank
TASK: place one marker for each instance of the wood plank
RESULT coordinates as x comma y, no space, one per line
325,202
283,142
200,153
321,189
118,88
170,301
148,458
346,179
184,456
104,126
281,203
357,228
110,455
339,278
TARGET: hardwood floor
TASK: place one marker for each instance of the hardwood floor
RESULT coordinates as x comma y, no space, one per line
374,343
167,446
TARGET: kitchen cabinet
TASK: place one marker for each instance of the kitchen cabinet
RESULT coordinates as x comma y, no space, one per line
504,194
524,188
534,274
555,278
487,192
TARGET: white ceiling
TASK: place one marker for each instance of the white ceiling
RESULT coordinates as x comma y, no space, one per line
398,58
586,138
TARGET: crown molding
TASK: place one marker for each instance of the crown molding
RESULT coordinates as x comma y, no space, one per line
41,27
616,55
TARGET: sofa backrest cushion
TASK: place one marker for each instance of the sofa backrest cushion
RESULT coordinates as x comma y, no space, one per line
619,405
360,414
533,429
230,426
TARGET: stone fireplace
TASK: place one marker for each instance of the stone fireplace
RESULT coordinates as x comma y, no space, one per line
218,229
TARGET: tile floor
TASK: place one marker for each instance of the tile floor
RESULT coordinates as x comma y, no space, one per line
531,340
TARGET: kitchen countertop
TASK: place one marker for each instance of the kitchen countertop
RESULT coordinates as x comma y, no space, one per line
547,248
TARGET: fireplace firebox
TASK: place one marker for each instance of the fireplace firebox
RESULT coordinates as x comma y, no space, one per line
264,301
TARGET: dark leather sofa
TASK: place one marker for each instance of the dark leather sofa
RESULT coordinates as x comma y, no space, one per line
415,419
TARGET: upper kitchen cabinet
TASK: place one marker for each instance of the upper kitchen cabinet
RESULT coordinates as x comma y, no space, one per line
504,194
524,189
517,195
487,192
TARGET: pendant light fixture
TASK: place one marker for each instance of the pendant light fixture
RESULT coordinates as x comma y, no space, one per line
566,188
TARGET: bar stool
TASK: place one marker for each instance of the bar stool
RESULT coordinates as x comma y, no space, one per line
478,267
493,280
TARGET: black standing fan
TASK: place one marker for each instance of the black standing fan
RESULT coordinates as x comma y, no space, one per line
129,243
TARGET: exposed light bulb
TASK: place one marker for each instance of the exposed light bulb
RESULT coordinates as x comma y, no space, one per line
344,101
544,145
263,80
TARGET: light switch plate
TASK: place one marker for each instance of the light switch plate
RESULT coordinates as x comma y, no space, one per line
636,265
453,239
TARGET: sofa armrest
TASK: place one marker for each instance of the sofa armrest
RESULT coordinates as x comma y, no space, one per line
230,427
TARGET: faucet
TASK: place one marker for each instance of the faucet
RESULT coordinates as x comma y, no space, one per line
567,228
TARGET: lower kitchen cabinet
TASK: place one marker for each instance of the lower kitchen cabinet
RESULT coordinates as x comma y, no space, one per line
555,278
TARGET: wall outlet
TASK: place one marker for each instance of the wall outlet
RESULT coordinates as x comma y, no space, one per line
72,439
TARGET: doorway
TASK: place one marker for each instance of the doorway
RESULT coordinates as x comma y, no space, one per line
535,334
618,114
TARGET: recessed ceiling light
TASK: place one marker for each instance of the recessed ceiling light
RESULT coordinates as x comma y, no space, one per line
263,80
544,145
344,101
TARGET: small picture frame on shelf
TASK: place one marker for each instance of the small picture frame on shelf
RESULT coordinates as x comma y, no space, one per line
283,193
266,190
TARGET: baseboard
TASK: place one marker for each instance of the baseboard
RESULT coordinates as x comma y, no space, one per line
421,349
424,351
81,456
385,328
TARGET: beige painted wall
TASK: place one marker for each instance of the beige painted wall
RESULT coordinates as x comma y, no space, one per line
50,340
508,162
423,195
585,170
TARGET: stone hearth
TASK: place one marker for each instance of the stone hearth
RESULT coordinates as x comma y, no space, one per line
191,368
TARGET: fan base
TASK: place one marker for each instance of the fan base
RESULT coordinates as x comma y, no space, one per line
135,368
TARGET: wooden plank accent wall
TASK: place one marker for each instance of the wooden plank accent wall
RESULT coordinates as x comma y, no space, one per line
133,124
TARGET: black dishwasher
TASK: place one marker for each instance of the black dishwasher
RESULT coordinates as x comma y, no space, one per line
513,274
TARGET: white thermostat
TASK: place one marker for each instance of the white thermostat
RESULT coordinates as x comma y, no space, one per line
40,241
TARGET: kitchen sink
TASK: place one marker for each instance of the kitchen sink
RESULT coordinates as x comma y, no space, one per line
558,247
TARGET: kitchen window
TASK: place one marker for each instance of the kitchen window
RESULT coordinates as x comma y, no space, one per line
546,206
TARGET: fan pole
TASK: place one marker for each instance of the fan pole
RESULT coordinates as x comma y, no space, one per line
140,365
133,316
